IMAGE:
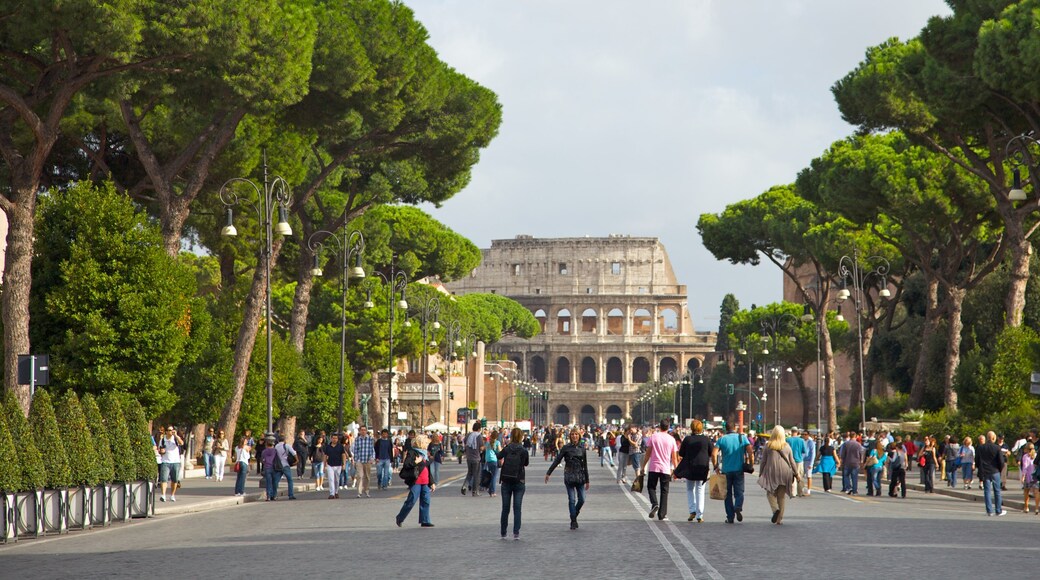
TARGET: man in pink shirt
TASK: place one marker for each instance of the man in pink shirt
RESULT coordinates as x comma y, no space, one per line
659,462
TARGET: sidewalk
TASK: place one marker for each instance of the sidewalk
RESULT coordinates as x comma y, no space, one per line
199,494
1012,498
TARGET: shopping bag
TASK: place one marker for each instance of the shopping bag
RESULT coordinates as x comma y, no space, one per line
637,483
717,486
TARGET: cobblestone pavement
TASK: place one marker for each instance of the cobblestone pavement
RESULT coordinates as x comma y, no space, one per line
924,536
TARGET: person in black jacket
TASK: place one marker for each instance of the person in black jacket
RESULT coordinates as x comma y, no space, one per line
303,450
696,452
512,461
989,461
575,474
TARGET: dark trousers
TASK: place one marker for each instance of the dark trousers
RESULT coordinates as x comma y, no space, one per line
473,475
897,477
512,495
827,480
928,473
300,465
652,480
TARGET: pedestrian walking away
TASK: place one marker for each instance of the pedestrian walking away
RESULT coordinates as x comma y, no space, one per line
851,456
284,465
415,471
828,464
696,453
512,463
779,473
897,463
735,450
575,474
473,447
659,463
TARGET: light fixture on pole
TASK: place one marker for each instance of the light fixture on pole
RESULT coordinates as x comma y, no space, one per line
850,268
352,244
275,194
1017,150
428,312
772,327
396,283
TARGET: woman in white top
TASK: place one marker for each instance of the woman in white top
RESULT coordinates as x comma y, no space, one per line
220,449
242,466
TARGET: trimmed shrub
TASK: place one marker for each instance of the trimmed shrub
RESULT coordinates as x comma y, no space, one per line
140,441
123,468
48,439
10,469
79,446
34,475
104,470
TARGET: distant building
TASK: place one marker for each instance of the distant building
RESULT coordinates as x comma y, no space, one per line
613,317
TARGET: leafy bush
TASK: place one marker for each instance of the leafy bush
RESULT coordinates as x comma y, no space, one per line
10,469
33,472
48,438
140,440
104,468
79,445
123,467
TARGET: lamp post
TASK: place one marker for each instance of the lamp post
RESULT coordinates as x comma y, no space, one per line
1017,150
674,379
807,316
395,282
850,268
352,244
429,308
454,342
275,194
772,326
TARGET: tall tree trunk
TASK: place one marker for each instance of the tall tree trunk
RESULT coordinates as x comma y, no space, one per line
302,295
1021,254
17,284
828,379
931,324
954,307
247,332
868,338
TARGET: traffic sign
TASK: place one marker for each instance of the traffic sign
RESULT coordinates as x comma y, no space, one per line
471,405
760,416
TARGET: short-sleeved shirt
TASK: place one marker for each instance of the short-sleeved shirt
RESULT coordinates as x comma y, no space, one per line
474,441
333,454
797,448
732,448
173,452
660,446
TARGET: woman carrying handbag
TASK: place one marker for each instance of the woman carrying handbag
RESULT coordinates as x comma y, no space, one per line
695,453
778,475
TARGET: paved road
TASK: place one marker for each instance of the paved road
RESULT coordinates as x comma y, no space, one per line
317,538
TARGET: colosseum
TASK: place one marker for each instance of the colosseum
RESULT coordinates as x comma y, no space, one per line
612,313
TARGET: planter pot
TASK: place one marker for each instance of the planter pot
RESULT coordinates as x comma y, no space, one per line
141,492
100,499
119,502
77,509
28,514
7,520
54,502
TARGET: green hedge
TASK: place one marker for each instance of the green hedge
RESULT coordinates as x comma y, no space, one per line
34,475
119,438
49,441
10,473
105,470
140,440
79,445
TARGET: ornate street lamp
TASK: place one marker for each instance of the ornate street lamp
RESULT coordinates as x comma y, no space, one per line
850,268
351,244
428,312
395,283
274,194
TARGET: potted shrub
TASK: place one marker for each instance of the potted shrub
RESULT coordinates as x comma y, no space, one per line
10,481
141,490
100,497
82,456
56,463
123,469
27,500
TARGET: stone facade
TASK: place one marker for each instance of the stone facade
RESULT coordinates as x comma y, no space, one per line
613,317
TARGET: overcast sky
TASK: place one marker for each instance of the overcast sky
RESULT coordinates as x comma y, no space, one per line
635,117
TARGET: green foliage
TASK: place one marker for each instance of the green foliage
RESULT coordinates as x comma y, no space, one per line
321,357
48,439
884,409
123,458
10,467
999,382
108,302
425,245
79,445
33,471
105,469
729,306
203,382
141,448
292,383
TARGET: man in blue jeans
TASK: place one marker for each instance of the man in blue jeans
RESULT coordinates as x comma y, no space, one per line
284,451
384,449
989,461
851,455
735,450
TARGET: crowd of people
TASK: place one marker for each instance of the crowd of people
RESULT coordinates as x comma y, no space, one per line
787,462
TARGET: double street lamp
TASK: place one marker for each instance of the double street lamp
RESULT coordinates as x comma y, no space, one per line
274,194
772,327
395,283
851,268
351,244
428,312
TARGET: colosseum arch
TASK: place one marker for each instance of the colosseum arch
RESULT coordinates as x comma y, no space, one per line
587,416
615,322
563,321
588,370
640,370
541,317
538,373
667,365
668,320
563,370
642,322
589,321
562,416
615,370
614,413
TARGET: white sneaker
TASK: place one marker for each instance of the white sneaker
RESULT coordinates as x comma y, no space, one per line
174,498
1003,512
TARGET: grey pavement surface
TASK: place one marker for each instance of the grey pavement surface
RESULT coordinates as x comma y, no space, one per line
923,536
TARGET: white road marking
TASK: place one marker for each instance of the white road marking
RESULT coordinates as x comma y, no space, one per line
684,570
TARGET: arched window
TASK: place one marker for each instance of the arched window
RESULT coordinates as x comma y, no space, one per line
642,323
563,370
667,365
669,321
563,322
538,369
614,415
562,415
616,322
540,316
588,415
693,365
588,370
614,370
640,370
588,321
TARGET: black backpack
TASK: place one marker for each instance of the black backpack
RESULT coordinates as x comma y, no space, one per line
408,466
512,463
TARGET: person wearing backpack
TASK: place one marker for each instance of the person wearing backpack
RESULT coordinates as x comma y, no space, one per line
512,461
285,460
415,471
491,450
897,463
575,474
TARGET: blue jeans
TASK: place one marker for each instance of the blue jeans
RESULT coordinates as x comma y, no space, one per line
850,479
734,493
422,493
636,459
512,491
873,480
240,477
207,462
383,473
435,472
966,472
951,473
575,499
991,493
606,456
272,487
287,472
493,468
